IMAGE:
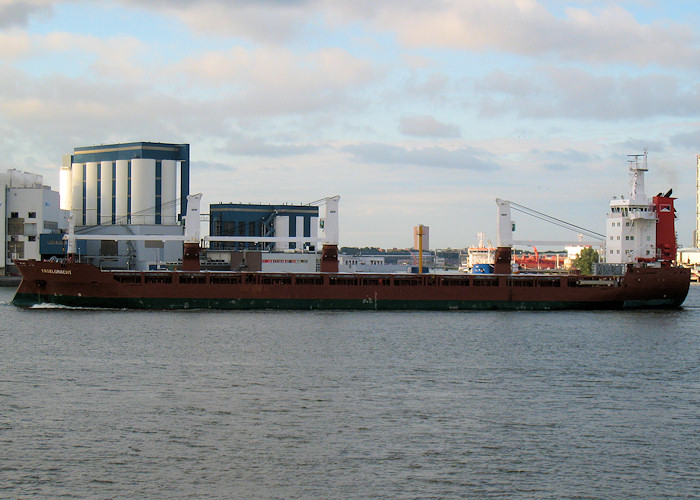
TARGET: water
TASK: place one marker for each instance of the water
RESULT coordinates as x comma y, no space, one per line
130,404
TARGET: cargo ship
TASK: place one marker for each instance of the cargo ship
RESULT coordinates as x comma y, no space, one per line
84,285
649,280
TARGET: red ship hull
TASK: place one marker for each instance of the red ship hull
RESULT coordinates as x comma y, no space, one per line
83,285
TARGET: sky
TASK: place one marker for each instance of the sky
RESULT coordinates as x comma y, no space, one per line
413,112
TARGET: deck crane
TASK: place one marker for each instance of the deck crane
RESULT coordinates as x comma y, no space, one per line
506,226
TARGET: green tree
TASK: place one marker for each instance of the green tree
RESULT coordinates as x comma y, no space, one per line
585,260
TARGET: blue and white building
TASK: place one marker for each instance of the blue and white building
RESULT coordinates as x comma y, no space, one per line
135,188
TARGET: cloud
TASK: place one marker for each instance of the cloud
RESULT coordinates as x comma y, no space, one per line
427,126
558,160
602,33
432,156
56,113
115,58
270,21
526,27
18,12
259,147
264,81
689,139
570,93
204,166
14,44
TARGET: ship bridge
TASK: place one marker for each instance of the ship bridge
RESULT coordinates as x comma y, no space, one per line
631,223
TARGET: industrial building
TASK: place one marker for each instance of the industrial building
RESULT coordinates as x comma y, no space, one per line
231,219
137,188
271,238
140,189
132,183
33,224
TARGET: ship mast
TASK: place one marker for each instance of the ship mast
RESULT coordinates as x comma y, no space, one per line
637,166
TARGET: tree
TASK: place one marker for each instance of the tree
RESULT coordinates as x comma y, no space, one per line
585,260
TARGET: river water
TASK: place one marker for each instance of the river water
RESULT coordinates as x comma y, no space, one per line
134,404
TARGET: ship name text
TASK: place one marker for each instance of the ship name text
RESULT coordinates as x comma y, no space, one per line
56,271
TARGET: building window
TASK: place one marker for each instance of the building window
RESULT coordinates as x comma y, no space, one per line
627,238
611,237
31,215
15,226
631,238
31,238
618,251
15,249
611,251
618,238
627,223
14,215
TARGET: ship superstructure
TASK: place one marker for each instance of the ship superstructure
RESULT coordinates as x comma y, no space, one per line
639,229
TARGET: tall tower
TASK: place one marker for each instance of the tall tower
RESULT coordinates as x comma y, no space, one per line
425,237
132,183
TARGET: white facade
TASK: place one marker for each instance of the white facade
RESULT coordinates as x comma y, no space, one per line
271,262
105,193
65,183
630,231
281,226
76,177
168,192
688,256
91,193
143,191
29,209
368,264
131,254
290,262
123,191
